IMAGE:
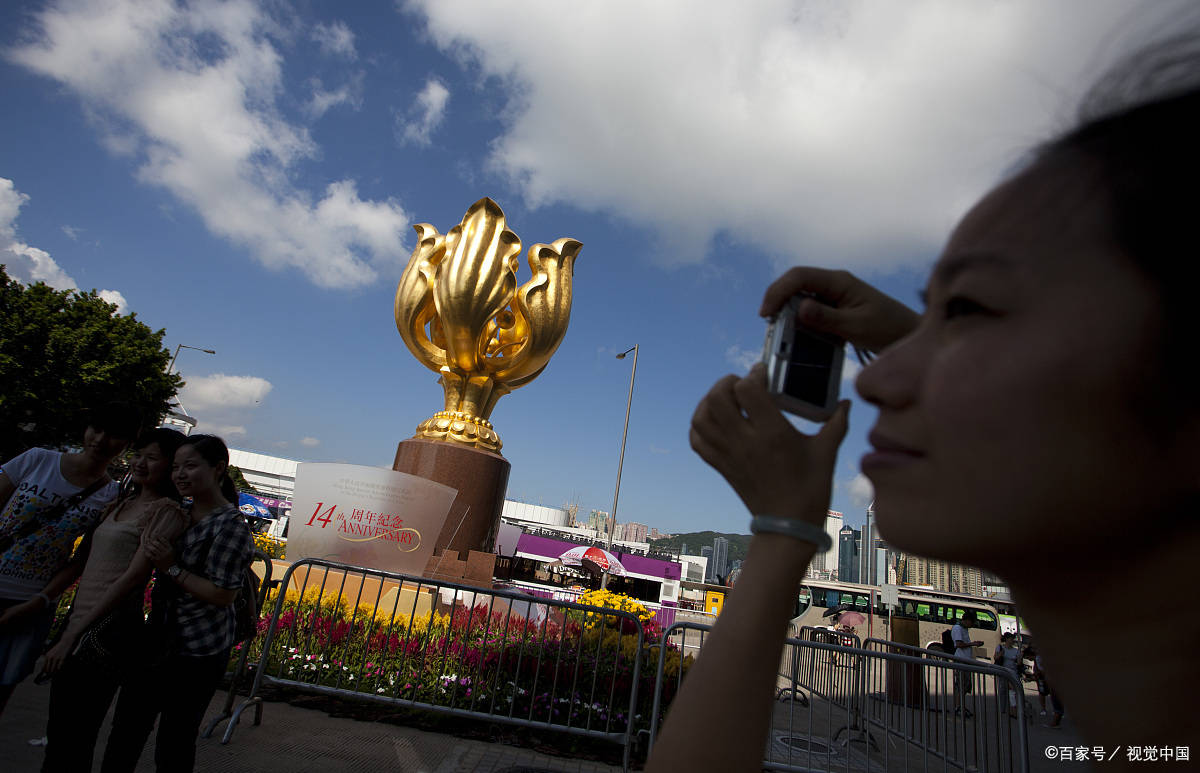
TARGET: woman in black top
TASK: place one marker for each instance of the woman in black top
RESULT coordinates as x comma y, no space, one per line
196,582
1039,420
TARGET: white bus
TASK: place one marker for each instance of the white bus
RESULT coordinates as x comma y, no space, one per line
935,612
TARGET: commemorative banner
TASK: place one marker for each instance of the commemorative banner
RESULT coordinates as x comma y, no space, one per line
366,516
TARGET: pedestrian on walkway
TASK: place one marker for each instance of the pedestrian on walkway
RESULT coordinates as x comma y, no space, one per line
51,499
964,650
1042,392
103,640
1008,656
197,579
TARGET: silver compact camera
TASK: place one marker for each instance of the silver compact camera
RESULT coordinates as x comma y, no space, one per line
804,367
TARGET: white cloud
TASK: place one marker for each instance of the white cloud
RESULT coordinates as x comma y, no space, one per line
30,264
335,39
309,442
425,115
220,392
72,232
742,359
860,490
849,133
25,263
322,99
116,298
192,89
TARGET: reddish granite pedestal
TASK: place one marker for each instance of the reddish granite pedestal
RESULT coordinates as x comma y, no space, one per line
481,478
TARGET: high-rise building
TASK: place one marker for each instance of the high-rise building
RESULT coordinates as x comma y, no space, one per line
707,552
872,553
720,557
940,575
833,527
848,554
636,532
599,522
825,564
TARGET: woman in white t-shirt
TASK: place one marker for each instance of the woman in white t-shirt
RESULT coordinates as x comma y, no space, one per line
36,541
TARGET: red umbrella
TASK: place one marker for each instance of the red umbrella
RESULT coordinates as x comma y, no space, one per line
598,556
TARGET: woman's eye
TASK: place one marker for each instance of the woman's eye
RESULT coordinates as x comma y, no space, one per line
958,306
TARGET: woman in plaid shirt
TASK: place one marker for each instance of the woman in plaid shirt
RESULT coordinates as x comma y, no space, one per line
197,580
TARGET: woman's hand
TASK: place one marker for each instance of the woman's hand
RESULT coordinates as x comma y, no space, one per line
775,469
160,553
19,614
58,654
849,308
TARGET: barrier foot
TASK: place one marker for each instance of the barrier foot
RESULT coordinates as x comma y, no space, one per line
791,694
208,731
855,733
233,720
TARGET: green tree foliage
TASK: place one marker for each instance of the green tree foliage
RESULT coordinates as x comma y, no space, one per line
63,352
239,481
738,543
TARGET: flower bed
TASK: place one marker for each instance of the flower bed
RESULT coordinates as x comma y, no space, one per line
272,547
572,669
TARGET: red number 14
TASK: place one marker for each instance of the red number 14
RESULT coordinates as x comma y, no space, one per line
324,517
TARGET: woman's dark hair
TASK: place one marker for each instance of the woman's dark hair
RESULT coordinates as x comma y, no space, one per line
1139,124
168,441
214,451
115,418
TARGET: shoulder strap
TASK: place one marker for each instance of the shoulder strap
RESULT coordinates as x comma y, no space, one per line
51,514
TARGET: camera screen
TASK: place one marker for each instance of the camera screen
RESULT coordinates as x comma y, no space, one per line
810,360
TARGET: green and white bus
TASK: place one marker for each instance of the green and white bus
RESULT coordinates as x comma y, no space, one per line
934,611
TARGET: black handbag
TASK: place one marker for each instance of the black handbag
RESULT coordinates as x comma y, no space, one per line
116,641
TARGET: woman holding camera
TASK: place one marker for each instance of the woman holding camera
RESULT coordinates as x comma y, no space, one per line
197,578
1041,392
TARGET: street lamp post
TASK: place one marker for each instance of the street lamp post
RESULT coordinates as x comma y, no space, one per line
621,459
181,414
171,367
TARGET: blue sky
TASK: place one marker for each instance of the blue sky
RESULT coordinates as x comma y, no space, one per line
246,175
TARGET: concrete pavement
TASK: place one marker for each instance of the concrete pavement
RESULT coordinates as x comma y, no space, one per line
299,740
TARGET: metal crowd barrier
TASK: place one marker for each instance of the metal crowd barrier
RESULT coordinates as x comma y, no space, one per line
497,655
828,674
883,707
969,715
239,668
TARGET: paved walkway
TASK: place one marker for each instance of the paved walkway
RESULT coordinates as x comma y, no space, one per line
298,740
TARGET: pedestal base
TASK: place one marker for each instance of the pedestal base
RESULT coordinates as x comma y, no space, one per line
481,478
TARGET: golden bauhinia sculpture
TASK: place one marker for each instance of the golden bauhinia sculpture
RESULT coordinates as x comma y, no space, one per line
459,310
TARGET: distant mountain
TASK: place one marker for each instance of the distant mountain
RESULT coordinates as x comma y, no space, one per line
698,539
